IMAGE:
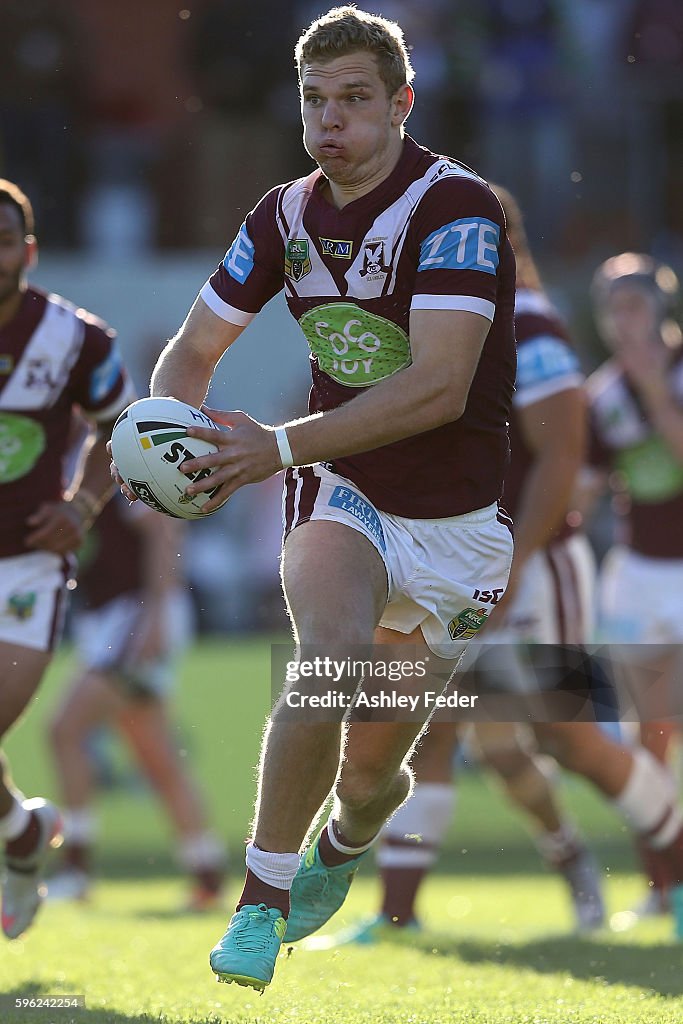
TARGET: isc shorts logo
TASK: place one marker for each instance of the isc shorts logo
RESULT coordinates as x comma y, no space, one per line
22,606
297,259
467,623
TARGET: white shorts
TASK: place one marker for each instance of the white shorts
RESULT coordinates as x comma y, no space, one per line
554,603
640,599
444,574
105,639
33,599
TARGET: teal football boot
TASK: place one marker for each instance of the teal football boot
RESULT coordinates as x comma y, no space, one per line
318,892
247,952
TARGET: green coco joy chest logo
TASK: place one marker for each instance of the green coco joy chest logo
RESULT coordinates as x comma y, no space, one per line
355,347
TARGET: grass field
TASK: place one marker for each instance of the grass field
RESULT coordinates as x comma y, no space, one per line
496,948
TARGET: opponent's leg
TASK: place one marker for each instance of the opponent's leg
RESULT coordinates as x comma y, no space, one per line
146,726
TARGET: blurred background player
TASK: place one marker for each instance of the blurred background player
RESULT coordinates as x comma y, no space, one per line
133,624
636,402
53,357
548,602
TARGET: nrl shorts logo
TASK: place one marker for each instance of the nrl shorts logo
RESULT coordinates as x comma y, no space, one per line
22,606
467,623
297,259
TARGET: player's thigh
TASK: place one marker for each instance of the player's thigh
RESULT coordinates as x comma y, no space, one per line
21,669
335,583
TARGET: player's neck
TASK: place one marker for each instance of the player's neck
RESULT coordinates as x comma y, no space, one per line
9,307
341,194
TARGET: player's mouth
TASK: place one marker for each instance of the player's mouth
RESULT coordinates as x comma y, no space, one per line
329,148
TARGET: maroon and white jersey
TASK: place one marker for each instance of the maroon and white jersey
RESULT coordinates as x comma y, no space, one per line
112,558
646,475
546,365
431,236
52,357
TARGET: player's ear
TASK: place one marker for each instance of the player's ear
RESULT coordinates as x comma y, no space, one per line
30,252
401,104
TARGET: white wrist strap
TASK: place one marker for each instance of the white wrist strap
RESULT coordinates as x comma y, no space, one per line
283,447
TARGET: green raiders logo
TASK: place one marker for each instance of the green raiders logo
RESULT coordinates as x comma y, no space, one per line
355,347
651,470
22,442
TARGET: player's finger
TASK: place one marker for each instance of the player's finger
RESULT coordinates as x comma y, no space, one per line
219,458
41,515
227,418
217,437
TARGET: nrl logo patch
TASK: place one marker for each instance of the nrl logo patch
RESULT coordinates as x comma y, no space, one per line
297,259
337,247
373,258
467,623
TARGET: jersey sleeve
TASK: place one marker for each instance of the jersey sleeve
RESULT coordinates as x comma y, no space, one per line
252,271
546,365
99,383
459,234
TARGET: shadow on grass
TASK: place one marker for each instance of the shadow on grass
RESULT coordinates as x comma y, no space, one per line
82,1015
657,968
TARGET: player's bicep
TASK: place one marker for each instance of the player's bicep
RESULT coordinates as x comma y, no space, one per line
447,345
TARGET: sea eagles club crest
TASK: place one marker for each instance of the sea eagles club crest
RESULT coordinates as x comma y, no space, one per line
297,259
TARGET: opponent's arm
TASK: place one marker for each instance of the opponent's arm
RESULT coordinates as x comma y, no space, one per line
60,526
554,429
446,346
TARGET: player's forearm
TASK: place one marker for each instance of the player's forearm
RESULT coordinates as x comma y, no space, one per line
182,372
545,501
409,403
95,487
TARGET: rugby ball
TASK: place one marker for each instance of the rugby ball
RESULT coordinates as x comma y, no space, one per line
149,443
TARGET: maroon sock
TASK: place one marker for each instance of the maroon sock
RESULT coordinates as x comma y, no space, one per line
655,866
330,855
210,879
400,892
671,859
25,844
77,857
256,891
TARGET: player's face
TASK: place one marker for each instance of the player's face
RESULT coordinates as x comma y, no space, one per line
629,318
14,251
352,127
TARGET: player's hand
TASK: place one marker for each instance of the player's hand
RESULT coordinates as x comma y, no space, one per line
247,453
118,479
57,527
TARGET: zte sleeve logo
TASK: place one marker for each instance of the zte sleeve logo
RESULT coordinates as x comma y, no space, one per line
462,245
239,259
